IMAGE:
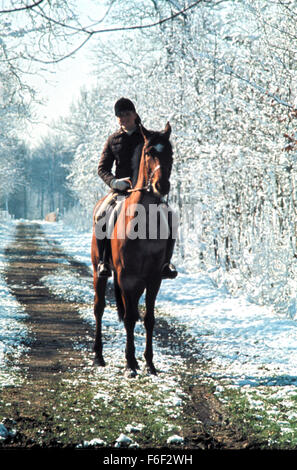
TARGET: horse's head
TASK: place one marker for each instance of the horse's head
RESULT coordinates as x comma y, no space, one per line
157,153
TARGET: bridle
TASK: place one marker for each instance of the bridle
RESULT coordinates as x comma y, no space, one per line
147,187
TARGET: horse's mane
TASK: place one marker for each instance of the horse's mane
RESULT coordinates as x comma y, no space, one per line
135,162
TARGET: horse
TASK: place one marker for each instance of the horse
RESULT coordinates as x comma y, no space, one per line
136,262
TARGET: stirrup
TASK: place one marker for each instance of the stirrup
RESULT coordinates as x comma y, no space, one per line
169,271
103,270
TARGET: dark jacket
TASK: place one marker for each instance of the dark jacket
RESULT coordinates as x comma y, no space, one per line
118,149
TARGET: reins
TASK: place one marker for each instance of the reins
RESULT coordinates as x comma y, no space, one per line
149,185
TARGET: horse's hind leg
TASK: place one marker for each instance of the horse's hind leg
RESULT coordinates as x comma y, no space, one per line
149,322
99,305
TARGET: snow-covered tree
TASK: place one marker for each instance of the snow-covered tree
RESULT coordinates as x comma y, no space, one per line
224,73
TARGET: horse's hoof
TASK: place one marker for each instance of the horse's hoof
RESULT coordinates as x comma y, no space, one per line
151,370
130,373
99,361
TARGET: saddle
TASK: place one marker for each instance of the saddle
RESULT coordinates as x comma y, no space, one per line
107,213
105,219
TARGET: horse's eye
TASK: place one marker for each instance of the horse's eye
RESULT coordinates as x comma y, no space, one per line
159,147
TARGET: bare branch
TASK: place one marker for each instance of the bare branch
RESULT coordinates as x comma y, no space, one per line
91,33
228,70
66,56
123,28
231,72
26,7
150,25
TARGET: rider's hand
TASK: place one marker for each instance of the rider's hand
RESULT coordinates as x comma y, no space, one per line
120,184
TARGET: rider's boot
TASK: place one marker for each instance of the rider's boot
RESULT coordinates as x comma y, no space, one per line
103,268
169,271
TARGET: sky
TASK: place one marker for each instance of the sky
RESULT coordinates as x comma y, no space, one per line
59,91
61,85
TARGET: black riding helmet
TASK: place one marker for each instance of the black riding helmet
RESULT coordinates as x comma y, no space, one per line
123,104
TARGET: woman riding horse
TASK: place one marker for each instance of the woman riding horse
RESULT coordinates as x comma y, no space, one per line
137,261
119,149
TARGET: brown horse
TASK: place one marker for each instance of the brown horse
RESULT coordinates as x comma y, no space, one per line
136,261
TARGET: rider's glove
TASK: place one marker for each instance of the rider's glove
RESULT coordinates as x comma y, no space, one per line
120,184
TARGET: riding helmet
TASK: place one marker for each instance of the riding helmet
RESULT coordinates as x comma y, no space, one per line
123,104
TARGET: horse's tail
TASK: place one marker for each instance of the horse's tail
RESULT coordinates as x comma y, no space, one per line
118,298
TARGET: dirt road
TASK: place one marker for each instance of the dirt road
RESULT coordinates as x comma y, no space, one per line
54,323
57,372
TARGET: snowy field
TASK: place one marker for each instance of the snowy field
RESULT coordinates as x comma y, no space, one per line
248,346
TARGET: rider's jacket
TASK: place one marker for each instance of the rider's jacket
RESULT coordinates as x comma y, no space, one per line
118,149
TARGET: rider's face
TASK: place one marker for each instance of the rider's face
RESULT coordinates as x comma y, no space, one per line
126,120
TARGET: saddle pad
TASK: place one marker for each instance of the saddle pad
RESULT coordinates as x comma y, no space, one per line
109,201
107,214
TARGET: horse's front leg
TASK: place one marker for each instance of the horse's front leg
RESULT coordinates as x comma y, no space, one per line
131,362
131,315
99,305
149,323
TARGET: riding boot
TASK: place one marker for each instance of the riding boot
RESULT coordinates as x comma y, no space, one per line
169,271
103,268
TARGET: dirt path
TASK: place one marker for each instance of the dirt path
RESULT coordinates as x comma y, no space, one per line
54,323
55,330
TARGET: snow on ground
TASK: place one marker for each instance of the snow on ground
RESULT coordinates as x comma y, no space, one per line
249,346
12,328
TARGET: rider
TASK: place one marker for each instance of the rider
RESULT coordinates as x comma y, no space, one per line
119,149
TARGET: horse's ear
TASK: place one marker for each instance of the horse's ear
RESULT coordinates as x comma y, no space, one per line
167,130
144,132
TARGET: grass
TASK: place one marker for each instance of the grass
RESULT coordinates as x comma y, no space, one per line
73,409
76,407
86,406
267,416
